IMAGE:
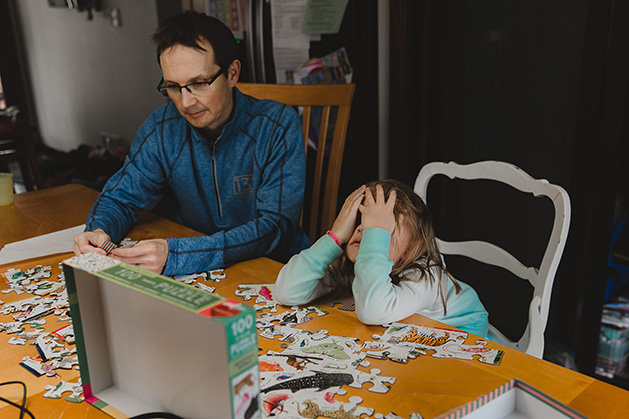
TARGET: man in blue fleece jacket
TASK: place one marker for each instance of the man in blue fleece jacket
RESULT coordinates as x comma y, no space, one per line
236,164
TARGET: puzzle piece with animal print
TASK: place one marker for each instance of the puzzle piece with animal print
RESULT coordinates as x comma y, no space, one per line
459,350
445,343
333,409
339,353
419,337
290,318
263,294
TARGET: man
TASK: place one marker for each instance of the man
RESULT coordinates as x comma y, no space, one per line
236,164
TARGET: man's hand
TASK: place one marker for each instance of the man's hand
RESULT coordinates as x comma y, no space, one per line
90,241
147,254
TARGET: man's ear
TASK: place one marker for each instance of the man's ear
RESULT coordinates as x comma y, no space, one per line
233,73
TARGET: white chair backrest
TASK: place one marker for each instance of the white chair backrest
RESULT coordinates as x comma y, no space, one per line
542,277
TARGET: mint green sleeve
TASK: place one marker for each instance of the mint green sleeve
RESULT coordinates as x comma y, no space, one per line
303,278
377,299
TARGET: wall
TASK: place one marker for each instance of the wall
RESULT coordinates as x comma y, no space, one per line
87,76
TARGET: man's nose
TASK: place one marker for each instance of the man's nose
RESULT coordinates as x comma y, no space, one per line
187,98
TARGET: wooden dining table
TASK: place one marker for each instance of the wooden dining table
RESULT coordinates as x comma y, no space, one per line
426,385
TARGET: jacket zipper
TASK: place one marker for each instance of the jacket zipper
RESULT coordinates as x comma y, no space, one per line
216,191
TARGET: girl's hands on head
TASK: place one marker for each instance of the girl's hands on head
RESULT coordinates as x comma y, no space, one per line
345,222
377,211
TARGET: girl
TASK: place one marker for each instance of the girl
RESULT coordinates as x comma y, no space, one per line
390,263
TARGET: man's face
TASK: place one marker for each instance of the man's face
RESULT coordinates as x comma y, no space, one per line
182,65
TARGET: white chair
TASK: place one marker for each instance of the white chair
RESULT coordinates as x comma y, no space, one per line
542,277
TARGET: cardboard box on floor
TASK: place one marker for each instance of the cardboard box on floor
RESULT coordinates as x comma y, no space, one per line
147,343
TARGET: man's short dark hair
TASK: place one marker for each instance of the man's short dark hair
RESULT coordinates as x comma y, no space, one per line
189,28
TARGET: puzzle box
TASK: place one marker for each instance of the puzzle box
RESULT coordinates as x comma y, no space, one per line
147,343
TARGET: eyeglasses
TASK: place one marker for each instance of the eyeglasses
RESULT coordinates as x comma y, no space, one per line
199,88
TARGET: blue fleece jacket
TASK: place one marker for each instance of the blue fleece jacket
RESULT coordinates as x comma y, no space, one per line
244,192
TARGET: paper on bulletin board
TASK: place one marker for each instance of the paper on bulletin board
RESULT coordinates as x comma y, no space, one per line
323,16
291,48
231,12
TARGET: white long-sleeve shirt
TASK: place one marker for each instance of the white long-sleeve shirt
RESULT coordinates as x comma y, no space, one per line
377,300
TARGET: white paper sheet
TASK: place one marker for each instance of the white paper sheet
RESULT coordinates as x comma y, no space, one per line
290,46
47,244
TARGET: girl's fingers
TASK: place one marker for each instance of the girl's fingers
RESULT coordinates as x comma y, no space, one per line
380,194
392,198
368,197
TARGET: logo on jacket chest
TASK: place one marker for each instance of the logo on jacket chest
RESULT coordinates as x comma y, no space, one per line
243,184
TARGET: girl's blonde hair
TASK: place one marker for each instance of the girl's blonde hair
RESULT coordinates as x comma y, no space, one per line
422,255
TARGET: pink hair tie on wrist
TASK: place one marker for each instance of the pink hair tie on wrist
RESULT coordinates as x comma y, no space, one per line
333,237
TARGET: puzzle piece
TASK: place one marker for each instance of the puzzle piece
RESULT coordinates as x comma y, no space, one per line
262,292
127,242
287,333
63,363
66,332
289,318
42,287
379,383
204,287
419,337
33,364
391,351
392,415
20,305
217,274
55,392
47,348
468,352
18,289
335,410
332,299
108,247
12,327
17,277
17,341
190,278
289,363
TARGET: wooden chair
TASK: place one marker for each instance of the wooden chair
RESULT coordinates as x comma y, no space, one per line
320,213
541,277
